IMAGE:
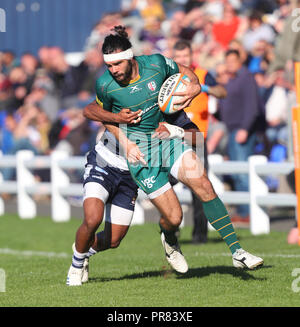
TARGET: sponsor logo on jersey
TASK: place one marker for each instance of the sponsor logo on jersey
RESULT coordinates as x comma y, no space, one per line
135,89
148,182
152,86
149,108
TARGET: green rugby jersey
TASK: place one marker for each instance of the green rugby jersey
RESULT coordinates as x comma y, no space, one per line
141,93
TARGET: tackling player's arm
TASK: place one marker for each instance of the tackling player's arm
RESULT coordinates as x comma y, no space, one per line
131,150
94,111
179,125
168,131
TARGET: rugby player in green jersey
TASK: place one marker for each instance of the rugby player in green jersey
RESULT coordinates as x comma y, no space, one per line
133,83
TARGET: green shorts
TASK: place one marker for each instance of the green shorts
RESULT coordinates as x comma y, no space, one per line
162,158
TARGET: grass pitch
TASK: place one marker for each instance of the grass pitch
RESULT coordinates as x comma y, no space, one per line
36,254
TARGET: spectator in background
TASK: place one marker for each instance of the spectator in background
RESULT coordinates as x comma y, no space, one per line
67,79
95,67
26,130
237,45
287,47
102,28
217,135
152,14
43,95
154,35
192,4
258,60
277,106
175,24
239,111
29,63
257,31
73,133
7,136
44,56
192,23
19,87
9,61
214,8
149,9
209,55
228,28
5,90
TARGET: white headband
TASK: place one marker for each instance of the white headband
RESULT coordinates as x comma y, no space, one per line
123,55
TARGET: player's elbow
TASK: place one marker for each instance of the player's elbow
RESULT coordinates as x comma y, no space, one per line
115,243
86,111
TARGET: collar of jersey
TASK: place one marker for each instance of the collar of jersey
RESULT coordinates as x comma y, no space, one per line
140,65
135,80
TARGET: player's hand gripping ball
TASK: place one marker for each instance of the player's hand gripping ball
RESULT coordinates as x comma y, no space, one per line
166,99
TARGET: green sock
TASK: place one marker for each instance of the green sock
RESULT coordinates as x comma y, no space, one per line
217,215
170,236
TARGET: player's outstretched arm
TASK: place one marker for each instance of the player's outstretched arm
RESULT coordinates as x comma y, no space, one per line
217,91
94,111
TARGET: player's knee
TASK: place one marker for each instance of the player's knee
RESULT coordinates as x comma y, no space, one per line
204,189
115,243
207,185
177,221
92,223
175,217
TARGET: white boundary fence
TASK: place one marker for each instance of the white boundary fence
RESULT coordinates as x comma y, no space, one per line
60,187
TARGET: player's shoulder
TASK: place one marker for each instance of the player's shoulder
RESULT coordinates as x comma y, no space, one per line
156,61
104,81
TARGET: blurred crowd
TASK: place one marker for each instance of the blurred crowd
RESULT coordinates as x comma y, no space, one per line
42,95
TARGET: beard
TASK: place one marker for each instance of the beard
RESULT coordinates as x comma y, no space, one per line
126,76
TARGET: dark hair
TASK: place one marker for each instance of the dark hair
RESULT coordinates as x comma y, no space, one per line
232,51
117,41
182,44
256,15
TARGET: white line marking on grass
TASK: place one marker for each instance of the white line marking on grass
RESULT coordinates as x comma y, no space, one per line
34,253
66,255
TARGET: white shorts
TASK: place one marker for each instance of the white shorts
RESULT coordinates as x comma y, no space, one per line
114,214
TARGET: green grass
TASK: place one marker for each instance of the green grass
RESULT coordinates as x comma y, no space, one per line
136,274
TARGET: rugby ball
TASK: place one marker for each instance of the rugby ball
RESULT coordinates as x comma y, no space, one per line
165,96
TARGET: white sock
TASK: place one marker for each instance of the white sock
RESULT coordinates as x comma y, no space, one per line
78,259
91,252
